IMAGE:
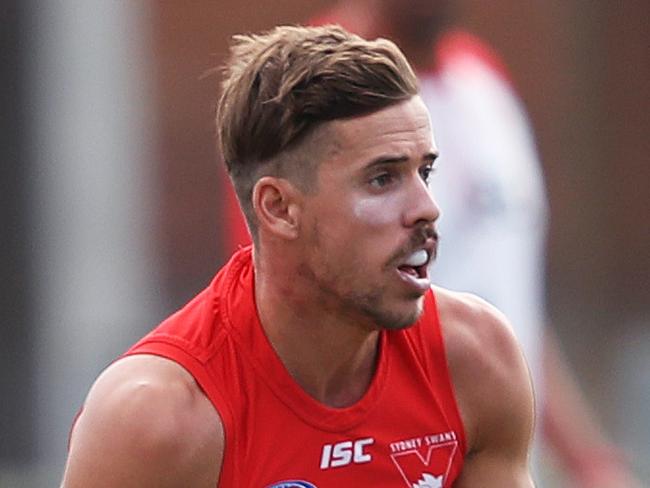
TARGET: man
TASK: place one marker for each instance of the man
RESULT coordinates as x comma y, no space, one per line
491,190
321,356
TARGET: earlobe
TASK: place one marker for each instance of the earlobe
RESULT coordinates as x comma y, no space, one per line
277,206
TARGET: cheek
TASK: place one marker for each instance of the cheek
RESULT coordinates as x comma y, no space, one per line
376,212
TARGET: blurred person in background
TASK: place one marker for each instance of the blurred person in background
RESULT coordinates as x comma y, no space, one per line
316,356
490,189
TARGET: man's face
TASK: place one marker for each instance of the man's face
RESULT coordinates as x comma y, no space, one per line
368,228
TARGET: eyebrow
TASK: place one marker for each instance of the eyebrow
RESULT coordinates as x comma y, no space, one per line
399,158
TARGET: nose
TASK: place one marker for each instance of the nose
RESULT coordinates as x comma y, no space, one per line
420,206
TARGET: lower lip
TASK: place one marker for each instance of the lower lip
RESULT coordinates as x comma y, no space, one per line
419,284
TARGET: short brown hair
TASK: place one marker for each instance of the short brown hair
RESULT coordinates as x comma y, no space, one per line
280,85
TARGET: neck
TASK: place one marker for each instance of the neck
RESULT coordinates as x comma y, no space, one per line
332,357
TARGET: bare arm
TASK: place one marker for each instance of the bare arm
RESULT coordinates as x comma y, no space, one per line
494,393
145,423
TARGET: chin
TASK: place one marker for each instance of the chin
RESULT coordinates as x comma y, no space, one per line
399,319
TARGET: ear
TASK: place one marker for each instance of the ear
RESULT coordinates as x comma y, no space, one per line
276,203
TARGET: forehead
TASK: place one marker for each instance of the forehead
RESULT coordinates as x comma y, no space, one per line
403,128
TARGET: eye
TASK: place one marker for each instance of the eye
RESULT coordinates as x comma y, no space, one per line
381,180
426,171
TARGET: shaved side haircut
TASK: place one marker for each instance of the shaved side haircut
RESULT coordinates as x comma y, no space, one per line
279,88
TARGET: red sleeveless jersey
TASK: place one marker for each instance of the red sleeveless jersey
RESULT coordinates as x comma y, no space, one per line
406,431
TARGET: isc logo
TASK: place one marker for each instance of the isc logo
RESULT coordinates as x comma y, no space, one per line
344,453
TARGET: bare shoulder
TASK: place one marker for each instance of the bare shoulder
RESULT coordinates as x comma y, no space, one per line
474,328
145,422
493,388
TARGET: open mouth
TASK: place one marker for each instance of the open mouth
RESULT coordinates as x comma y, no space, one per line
414,270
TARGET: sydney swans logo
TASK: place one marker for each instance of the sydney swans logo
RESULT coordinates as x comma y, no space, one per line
429,481
424,462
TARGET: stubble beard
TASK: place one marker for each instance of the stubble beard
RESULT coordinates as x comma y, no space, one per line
368,305
371,307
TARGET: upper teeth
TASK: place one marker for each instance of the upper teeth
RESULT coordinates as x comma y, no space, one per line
418,258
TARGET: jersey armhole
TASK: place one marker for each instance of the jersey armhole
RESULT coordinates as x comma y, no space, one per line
199,372
444,374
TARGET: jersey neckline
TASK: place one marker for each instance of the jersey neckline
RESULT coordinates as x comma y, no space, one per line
239,312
